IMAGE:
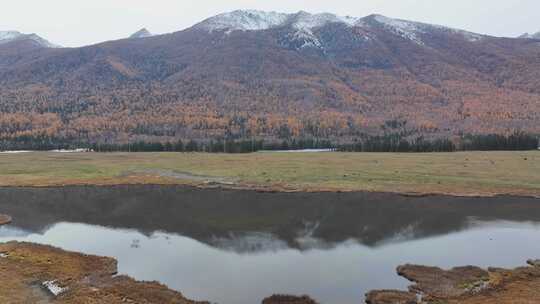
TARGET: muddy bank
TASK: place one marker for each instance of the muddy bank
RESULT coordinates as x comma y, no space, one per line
31,273
4,219
464,285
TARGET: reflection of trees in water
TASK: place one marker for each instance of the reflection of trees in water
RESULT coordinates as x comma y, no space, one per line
223,217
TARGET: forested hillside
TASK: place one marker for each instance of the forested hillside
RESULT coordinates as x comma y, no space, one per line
294,76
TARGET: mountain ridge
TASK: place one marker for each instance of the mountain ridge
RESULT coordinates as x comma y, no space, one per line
254,20
142,33
12,36
301,75
272,19
530,36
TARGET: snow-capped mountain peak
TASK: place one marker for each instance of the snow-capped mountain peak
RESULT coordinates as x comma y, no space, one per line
254,20
142,33
9,36
304,23
243,20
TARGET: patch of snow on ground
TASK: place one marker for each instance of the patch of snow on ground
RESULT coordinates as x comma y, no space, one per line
55,151
53,288
14,152
72,151
303,151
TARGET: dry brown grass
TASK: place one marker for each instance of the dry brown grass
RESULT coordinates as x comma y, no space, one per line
464,285
87,279
467,173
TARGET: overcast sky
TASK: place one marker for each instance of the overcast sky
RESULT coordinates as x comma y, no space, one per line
83,22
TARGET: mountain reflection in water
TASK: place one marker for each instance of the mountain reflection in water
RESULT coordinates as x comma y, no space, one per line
241,246
252,221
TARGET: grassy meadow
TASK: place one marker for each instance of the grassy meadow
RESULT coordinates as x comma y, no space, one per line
462,173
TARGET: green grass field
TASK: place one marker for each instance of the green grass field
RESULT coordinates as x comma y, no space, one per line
463,173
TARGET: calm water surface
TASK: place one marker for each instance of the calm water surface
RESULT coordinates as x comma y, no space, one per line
237,247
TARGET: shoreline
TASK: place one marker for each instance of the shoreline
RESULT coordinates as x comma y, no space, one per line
269,189
33,272
463,285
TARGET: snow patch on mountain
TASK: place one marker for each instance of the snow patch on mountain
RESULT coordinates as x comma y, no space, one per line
143,33
42,42
253,20
469,36
243,20
9,36
304,24
413,30
304,20
405,29
530,36
306,38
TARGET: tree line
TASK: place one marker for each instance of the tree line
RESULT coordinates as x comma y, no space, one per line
515,141
215,146
393,143
385,143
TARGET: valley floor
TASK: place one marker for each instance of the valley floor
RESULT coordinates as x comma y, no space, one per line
462,173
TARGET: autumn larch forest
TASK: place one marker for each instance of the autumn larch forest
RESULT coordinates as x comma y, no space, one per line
341,83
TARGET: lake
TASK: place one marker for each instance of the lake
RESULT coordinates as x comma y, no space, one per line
238,247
